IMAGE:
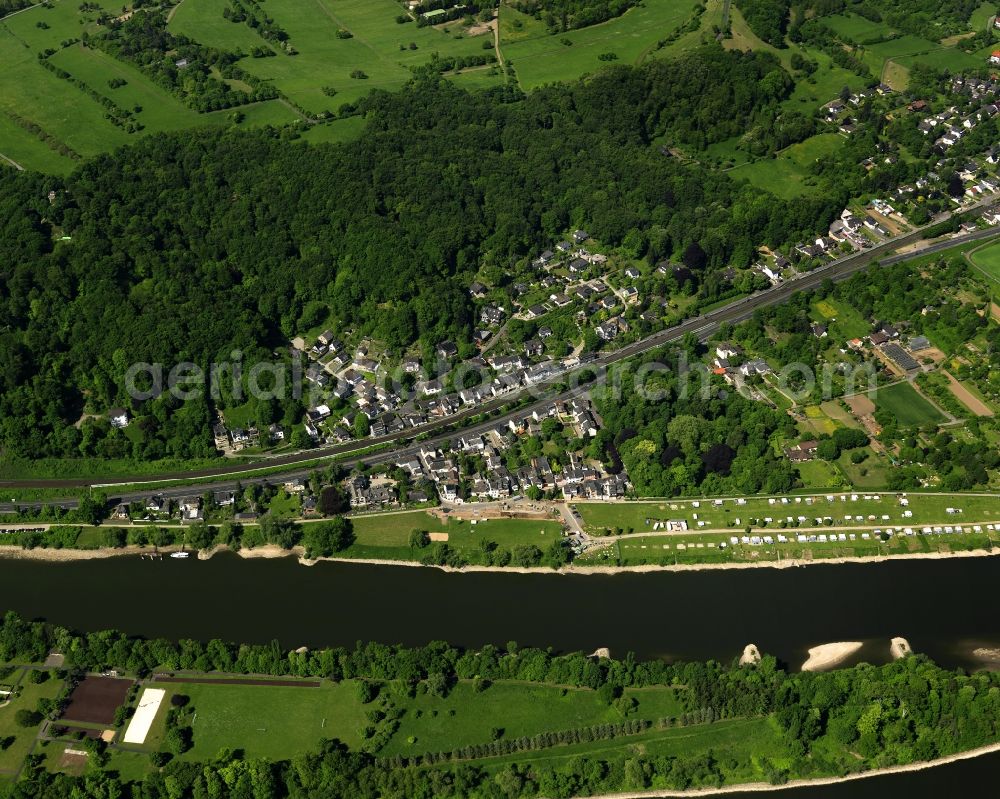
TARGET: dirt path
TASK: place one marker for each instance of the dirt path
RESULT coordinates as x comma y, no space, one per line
12,162
966,397
170,14
496,42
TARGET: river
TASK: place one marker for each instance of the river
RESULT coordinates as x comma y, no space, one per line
945,608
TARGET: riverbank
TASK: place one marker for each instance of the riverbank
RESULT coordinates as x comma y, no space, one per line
273,551
759,787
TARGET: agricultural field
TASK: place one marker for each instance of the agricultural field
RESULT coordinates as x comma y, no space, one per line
892,59
344,49
65,122
787,175
909,407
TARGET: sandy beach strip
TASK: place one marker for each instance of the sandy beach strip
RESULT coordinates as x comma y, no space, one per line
826,656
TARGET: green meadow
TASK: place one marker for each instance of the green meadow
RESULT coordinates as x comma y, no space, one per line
67,115
787,174
44,121
379,46
435,723
843,321
539,57
280,723
926,509
987,261
387,535
271,721
12,756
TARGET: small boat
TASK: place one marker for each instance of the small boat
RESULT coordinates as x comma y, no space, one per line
180,554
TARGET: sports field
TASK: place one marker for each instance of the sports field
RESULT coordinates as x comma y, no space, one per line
268,721
909,407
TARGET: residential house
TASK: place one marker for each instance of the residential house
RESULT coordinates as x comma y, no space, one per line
447,350
803,451
534,348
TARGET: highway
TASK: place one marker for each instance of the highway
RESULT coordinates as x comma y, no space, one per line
702,326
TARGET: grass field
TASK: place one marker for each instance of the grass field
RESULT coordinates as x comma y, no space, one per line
272,722
12,756
822,86
844,322
640,516
909,408
386,535
702,549
379,46
787,175
66,113
981,16
280,723
520,709
854,27
987,261
539,58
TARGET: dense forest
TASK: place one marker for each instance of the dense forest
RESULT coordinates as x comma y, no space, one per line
830,723
10,6
564,15
188,247
930,19
767,18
